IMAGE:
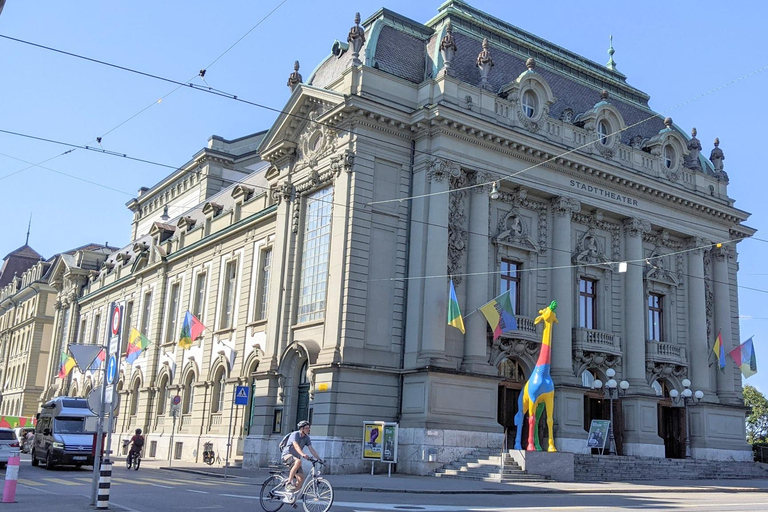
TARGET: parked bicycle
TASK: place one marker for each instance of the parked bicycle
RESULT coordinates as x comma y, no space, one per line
209,456
316,494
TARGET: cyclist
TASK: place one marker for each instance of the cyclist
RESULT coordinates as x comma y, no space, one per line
294,452
137,442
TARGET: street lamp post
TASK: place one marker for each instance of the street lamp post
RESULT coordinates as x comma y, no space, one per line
612,389
686,395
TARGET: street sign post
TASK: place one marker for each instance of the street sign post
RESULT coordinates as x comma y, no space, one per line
240,398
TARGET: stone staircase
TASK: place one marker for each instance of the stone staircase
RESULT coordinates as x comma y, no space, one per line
605,468
485,465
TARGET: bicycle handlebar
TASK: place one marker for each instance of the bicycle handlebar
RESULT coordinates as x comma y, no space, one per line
316,461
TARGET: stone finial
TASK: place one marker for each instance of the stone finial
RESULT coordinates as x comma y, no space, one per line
448,47
294,78
485,63
530,64
356,39
668,122
604,95
691,160
716,157
611,63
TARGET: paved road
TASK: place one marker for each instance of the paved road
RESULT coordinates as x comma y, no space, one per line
150,489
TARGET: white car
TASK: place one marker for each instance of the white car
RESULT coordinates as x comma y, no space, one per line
8,443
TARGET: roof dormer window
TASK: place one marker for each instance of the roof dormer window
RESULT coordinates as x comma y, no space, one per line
604,131
669,156
530,103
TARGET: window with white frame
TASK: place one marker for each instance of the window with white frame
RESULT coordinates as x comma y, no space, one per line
127,324
96,327
198,302
315,255
265,270
604,131
162,393
147,312
189,394
173,313
228,299
134,398
219,386
669,156
530,103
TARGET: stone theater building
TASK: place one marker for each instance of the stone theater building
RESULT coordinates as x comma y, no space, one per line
318,255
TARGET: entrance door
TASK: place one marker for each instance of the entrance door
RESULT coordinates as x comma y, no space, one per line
672,430
302,395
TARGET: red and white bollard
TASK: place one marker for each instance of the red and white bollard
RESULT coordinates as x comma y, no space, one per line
11,475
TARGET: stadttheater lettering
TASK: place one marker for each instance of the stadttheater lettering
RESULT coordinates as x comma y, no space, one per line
605,194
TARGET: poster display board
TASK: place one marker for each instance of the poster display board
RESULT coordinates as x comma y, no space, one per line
389,443
598,434
372,439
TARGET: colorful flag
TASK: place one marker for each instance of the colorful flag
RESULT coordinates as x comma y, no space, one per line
190,330
137,342
499,314
719,351
744,357
67,363
454,313
96,364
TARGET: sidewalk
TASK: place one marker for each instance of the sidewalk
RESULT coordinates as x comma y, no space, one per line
432,485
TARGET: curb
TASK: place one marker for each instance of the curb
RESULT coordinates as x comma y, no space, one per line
203,473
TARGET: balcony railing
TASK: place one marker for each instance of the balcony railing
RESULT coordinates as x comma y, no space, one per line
159,422
216,421
185,422
592,340
662,352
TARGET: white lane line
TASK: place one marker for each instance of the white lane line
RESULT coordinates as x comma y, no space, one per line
240,496
200,492
158,485
360,507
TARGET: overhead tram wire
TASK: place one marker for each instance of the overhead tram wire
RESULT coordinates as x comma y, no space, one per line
156,102
234,97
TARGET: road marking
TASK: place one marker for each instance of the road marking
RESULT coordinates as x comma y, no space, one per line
61,481
201,492
29,482
365,507
158,485
240,496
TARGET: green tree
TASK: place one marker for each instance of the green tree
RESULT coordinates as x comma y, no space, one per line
757,421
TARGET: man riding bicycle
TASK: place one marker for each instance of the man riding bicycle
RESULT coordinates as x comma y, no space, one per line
137,443
294,452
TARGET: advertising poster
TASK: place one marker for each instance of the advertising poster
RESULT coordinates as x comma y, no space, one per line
372,440
389,443
598,434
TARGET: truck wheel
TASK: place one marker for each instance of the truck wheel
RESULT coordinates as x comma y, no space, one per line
49,461
35,462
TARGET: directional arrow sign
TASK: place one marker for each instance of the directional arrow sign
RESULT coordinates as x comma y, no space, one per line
111,369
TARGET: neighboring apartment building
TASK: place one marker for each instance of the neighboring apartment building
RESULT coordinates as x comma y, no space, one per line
318,254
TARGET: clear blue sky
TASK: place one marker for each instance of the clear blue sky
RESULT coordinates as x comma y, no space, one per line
677,52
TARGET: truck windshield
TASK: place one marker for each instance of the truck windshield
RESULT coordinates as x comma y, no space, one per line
69,425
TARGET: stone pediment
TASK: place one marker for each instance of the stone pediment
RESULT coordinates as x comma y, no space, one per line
590,251
302,128
659,269
514,232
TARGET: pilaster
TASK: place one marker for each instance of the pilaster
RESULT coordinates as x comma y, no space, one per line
698,344
634,309
722,286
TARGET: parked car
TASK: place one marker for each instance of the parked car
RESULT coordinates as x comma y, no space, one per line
8,443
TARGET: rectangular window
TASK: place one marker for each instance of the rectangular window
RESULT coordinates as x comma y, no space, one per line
265,270
199,298
95,333
173,313
655,317
81,334
587,304
228,300
127,324
177,450
510,280
146,313
315,255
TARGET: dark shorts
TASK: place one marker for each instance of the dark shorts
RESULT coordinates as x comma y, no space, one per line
290,460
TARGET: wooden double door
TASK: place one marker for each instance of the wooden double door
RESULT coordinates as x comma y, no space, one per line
672,430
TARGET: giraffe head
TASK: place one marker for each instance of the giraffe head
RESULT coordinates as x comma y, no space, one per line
547,315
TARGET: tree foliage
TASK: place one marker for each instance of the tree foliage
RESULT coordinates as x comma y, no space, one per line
757,421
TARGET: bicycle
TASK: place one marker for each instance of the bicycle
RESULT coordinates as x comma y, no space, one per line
316,494
132,460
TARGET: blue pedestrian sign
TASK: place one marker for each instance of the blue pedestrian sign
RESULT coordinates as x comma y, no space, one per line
241,395
111,369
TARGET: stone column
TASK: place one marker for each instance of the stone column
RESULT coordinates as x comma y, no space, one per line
436,288
723,319
563,287
698,342
634,304
476,339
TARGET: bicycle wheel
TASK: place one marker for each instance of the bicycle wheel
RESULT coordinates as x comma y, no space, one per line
128,462
318,497
136,463
270,501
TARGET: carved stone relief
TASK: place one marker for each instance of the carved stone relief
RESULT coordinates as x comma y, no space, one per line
316,141
661,371
709,296
457,234
658,268
504,347
589,250
584,359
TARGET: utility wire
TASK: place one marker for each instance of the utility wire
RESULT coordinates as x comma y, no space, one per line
234,97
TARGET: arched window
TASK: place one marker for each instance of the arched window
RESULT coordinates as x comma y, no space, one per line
604,130
587,379
219,385
511,370
162,393
530,103
669,156
134,397
189,393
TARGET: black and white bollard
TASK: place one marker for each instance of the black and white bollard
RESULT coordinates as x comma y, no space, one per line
105,480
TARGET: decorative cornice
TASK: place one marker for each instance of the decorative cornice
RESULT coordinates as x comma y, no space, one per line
636,227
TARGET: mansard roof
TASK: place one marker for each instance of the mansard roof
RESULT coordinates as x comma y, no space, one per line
17,262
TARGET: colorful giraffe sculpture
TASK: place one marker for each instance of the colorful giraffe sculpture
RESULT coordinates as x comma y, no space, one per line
539,388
